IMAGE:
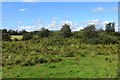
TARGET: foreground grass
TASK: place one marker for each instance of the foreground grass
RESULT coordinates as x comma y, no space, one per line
70,67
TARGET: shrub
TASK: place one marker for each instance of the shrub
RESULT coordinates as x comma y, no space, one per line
6,37
55,59
53,66
106,58
107,39
91,41
43,33
17,61
41,60
69,54
99,53
83,55
16,39
27,36
28,62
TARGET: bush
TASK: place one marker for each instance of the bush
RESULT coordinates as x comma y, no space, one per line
55,59
16,39
91,41
43,33
69,54
83,55
6,37
27,36
28,62
107,39
41,60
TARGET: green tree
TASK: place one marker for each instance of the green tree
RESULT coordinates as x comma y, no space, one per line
43,33
6,37
27,36
90,31
22,32
4,31
66,31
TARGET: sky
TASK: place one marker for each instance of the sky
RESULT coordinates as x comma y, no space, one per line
52,15
59,0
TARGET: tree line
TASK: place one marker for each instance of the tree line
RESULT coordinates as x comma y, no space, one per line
87,35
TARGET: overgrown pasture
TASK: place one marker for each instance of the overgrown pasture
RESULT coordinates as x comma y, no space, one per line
59,58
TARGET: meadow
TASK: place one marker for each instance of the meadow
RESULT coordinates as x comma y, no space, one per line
19,37
59,58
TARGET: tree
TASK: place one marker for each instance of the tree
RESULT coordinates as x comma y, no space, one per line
43,33
10,32
110,27
22,32
6,37
27,36
90,31
4,31
65,31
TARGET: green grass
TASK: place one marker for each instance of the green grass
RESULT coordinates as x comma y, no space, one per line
0,72
71,67
19,37
71,60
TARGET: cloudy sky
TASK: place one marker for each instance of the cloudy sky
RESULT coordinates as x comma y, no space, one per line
52,15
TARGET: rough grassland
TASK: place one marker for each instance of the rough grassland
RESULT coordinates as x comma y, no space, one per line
70,68
47,58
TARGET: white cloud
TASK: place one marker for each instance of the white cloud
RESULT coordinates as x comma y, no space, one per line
99,9
98,23
23,9
75,26
27,28
53,24
67,22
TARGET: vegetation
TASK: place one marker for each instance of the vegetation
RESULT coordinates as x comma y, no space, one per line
88,53
43,33
65,31
27,36
6,37
18,37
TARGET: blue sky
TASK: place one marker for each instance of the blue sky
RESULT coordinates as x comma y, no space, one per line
52,15
59,0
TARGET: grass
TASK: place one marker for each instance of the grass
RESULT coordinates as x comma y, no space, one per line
71,67
0,72
41,59
19,37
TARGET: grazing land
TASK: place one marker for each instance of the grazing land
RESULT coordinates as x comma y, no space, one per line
47,58
19,37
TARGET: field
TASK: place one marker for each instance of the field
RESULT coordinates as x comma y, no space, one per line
48,58
97,67
13,37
